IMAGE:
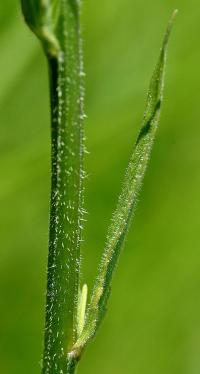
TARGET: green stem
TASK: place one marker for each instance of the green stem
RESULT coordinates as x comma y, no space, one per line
71,365
66,194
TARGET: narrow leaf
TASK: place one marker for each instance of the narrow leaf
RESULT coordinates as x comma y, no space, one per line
128,198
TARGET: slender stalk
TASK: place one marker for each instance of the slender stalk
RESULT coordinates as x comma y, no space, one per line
66,195
56,23
71,365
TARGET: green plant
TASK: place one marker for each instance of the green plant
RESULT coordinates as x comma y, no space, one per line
70,321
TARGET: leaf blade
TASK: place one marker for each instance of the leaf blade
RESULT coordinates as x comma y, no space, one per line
128,198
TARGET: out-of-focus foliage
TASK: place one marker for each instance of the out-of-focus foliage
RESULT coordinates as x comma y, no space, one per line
153,323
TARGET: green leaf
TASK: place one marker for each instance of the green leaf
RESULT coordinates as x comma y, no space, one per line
128,198
42,17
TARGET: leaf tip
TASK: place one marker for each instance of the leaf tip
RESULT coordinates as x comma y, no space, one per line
175,12
171,20
168,30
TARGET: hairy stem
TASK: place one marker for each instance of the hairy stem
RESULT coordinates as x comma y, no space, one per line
71,365
66,194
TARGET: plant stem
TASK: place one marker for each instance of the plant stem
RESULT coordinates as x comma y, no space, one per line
66,194
71,365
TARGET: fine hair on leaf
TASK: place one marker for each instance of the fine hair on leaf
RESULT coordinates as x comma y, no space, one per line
129,195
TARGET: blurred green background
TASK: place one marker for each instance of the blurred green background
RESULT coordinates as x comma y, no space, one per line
153,322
